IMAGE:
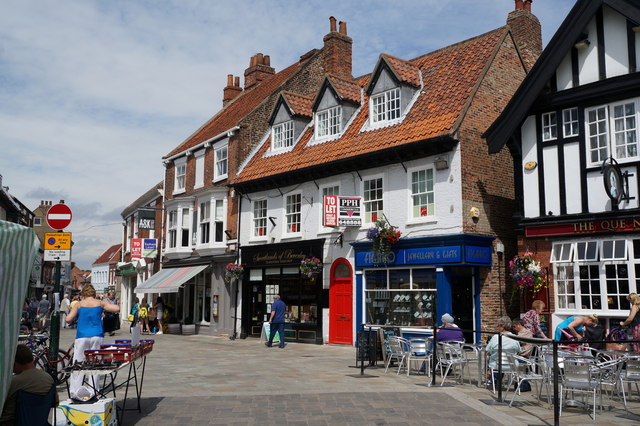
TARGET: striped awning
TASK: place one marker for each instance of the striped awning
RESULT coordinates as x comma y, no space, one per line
169,280
18,250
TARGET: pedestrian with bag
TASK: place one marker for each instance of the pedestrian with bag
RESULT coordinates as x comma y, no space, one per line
633,320
276,321
134,314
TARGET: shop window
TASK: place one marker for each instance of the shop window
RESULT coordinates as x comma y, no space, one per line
617,277
392,298
614,250
372,200
587,251
590,292
561,252
565,289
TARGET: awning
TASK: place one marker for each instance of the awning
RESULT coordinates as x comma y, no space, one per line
169,280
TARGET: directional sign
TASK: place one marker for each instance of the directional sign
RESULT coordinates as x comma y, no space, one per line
57,241
59,216
60,255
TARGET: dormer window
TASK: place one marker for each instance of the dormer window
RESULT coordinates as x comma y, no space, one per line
282,135
385,106
328,122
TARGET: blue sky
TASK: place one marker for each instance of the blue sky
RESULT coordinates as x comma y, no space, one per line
94,93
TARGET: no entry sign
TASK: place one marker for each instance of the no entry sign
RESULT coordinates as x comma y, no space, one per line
59,216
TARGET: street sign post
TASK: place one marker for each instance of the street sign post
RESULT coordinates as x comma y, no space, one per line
59,216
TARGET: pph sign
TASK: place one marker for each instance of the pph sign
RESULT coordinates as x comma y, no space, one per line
342,211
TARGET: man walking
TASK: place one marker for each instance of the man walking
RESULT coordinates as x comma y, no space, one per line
43,311
276,321
64,310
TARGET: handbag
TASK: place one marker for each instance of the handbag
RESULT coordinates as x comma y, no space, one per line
131,318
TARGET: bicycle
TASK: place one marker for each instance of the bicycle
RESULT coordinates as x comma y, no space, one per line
57,368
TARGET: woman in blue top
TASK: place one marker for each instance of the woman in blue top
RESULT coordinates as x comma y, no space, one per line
574,325
89,334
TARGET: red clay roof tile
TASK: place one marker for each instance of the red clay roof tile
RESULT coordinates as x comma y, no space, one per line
346,90
449,75
109,256
405,71
298,104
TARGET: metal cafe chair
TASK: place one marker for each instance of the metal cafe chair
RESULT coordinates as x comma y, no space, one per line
631,374
451,356
420,353
398,351
530,370
611,376
580,376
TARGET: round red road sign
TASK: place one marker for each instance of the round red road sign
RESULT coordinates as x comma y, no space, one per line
59,216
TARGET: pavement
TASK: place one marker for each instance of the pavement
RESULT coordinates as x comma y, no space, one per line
194,380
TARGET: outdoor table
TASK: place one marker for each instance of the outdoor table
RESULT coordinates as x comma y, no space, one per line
135,373
481,355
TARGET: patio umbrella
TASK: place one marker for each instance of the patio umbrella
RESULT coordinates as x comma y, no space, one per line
18,250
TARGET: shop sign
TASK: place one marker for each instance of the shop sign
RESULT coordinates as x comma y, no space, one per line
582,228
413,256
278,257
475,254
146,219
342,211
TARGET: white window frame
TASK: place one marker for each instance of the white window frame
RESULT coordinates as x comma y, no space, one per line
37,221
282,135
605,131
204,223
219,219
293,214
259,222
221,162
549,126
172,228
367,219
328,122
185,230
626,131
180,175
431,211
599,135
385,107
199,175
570,122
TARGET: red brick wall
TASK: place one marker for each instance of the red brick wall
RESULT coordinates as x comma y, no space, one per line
487,180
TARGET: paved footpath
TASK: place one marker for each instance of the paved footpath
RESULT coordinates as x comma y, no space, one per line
193,380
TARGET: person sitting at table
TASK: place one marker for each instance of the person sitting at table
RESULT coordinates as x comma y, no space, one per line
518,326
508,345
27,378
574,325
448,331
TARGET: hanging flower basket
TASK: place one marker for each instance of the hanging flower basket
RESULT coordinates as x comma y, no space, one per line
233,271
384,236
310,266
527,273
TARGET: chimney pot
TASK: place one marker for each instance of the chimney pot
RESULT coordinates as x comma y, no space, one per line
266,60
259,59
236,82
229,80
527,5
519,4
332,24
343,28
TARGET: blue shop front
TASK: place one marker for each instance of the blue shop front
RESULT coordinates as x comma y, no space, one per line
402,288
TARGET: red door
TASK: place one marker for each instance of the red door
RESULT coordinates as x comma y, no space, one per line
341,303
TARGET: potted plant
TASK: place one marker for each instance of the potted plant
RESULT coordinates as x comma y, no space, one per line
527,274
384,236
310,266
233,271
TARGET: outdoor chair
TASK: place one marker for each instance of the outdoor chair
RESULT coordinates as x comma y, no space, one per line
451,356
631,374
580,376
531,370
419,353
506,371
611,376
33,409
398,352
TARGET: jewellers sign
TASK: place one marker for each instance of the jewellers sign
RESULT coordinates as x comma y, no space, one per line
582,228
342,211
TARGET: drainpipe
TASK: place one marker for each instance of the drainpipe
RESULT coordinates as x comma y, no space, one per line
235,314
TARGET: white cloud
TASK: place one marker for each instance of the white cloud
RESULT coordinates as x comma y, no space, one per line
94,93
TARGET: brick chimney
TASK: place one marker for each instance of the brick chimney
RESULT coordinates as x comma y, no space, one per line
337,50
232,90
525,28
259,69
